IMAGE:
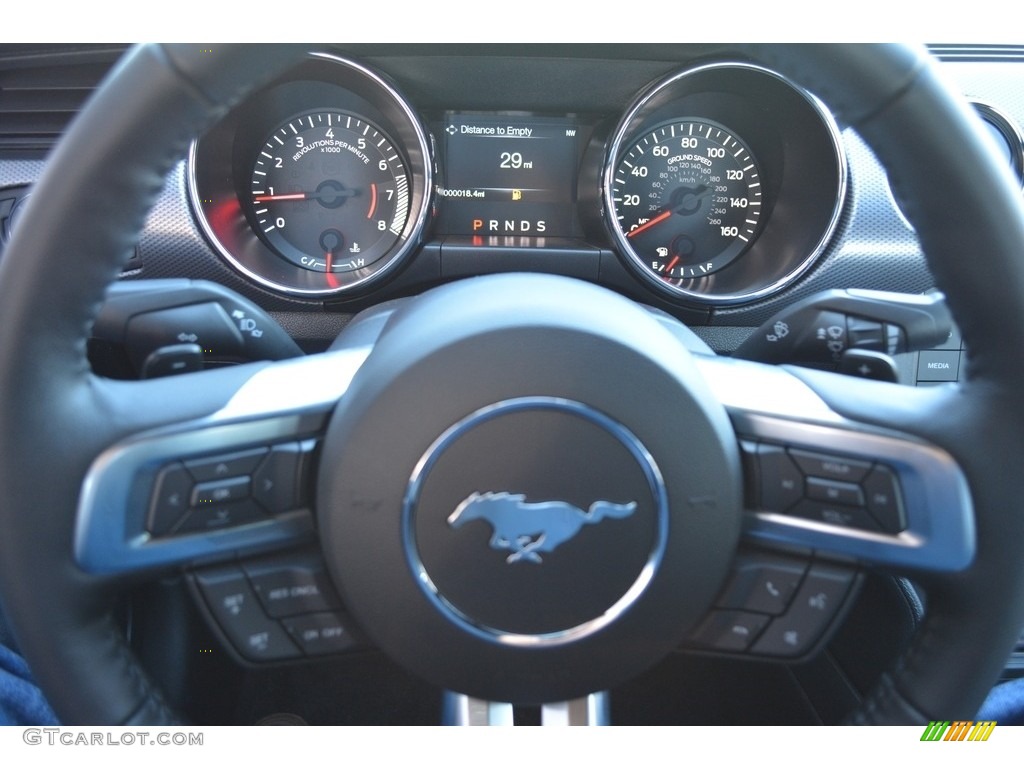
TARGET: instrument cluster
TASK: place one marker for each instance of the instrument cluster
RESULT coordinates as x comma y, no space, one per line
720,184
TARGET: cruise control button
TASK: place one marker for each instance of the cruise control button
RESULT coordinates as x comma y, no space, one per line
213,517
830,467
882,492
170,499
321,633
228,465
762,584
238,613
292,589
729,630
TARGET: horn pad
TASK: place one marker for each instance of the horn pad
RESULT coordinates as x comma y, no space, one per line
528,501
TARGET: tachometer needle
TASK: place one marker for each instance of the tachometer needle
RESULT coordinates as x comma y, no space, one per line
292,196
329,194
648,224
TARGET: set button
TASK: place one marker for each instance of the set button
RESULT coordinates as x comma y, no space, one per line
278,608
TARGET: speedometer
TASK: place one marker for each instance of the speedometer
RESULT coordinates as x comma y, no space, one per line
687,198
722,184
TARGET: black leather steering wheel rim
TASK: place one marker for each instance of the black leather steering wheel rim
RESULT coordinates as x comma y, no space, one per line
56,417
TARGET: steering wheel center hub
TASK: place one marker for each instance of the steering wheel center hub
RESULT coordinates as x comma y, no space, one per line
501,544
502,509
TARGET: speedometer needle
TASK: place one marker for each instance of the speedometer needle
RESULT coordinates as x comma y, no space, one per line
648,224
686,201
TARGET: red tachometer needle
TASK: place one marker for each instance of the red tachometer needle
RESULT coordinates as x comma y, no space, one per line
647,225
292,196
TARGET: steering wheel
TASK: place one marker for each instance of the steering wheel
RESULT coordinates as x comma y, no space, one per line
480,386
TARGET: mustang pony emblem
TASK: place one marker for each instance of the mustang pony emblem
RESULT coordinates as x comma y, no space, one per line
527,528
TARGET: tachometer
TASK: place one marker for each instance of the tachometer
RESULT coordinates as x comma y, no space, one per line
318,184
330,192
687,198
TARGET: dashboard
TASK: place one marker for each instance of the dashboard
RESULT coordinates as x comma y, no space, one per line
694,182
689,179
719,184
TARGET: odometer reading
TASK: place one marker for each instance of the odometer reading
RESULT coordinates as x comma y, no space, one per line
330,193
687,199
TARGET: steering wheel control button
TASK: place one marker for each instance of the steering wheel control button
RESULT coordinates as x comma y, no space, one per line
319,634
529,544
830,467
214,517
836,514
821,595
782,483
275,483
834,492
729,630
292,588
224,491
763,584
220,491
170,501
237,611
884,501
225,466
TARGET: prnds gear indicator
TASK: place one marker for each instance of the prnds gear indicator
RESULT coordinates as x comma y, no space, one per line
508,175
687,197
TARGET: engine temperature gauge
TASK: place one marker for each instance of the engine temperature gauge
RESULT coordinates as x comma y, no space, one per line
687,199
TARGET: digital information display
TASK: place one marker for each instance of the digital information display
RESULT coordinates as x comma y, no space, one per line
508,175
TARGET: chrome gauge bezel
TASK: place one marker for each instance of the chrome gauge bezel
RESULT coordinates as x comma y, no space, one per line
679,97
234,236
1000,122
1010,131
